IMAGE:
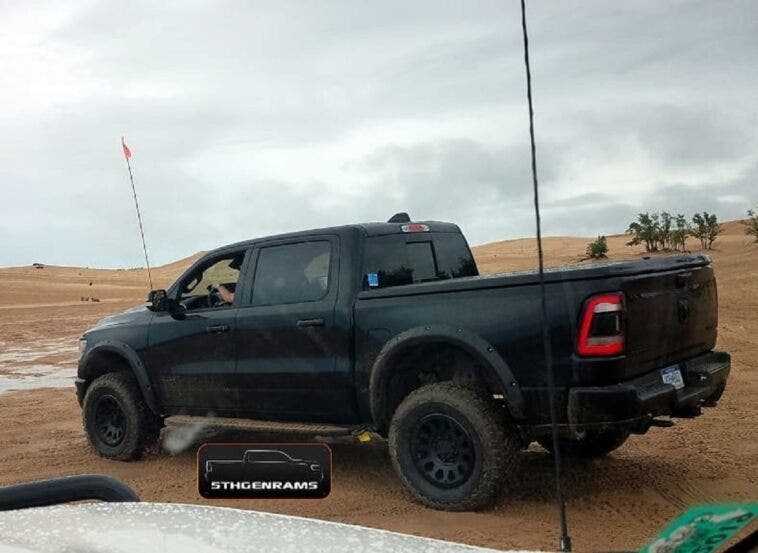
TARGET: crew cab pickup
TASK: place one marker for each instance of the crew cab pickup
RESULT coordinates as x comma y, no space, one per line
265,464
389,326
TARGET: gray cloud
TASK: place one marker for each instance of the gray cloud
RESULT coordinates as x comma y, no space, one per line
602,213
452,171
254,118
693,134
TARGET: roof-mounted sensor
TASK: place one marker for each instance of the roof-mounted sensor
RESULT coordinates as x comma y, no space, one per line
401,217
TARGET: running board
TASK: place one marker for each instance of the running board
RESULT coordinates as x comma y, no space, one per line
267,427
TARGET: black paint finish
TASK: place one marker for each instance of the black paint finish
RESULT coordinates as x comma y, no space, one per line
330,360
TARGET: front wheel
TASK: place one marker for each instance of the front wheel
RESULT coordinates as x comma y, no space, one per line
594,443
118,423
451,446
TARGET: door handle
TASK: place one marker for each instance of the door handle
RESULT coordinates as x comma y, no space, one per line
310,322
213,329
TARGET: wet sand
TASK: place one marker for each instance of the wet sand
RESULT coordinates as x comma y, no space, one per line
613,503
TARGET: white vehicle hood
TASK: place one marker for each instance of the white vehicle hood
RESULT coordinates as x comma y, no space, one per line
168,528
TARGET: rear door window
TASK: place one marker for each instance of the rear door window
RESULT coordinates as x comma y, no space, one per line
292,273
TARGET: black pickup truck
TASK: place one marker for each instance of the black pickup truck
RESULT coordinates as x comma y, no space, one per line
389,326
265,464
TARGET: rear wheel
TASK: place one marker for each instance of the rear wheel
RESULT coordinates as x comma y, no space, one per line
593,444
451,446
118,423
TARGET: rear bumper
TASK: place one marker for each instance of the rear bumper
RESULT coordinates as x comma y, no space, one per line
633,404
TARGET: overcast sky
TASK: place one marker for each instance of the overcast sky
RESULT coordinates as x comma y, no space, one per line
247,119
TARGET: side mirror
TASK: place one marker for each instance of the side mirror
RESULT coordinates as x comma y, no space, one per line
157,300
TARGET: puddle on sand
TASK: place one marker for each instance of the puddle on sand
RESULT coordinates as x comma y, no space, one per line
18,355
38,370
59,378
37,350
18,370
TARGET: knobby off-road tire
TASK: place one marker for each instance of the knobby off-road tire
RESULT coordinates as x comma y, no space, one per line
118,423
593,445
452,447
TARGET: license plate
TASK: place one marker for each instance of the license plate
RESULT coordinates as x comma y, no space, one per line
673,376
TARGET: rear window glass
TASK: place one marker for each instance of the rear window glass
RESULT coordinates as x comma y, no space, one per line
454,258
397,259
421,261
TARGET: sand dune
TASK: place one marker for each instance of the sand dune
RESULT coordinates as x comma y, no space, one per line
614,503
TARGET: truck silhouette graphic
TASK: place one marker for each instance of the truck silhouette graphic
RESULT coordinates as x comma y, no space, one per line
264,464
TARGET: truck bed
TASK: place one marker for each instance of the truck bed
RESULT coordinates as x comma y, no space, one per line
568,273
670,316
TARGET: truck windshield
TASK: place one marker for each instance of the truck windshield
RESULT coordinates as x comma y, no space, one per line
400,259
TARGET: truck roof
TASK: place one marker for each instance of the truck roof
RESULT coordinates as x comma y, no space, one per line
368,229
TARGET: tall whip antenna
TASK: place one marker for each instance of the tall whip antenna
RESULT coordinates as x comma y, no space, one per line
128,156
565,540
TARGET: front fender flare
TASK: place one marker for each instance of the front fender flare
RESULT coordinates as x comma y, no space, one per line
473,344
135,364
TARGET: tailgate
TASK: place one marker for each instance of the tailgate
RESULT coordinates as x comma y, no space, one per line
670,316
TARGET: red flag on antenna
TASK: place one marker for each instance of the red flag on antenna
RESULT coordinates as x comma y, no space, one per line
127,151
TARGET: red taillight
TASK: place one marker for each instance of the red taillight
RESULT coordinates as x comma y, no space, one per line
601,331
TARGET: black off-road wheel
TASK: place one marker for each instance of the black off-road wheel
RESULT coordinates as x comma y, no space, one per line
452,446
118,423
594,444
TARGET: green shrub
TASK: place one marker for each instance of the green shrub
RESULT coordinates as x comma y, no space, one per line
705,227
751,225
680,233
645,230
663,236
597,249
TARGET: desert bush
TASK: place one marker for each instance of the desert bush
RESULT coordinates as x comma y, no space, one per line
656,231
705,227
664,232
680,233
597,249
751,225
645,230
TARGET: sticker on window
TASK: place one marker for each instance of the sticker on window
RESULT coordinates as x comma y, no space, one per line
373,279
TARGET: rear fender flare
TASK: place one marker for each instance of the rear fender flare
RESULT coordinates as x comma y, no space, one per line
135,364
467,341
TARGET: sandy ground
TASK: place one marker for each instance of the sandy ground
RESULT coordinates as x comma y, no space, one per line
613,503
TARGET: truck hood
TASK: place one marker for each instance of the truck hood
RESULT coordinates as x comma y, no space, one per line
131,315
168,528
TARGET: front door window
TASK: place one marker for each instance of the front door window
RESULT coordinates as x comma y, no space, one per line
213,285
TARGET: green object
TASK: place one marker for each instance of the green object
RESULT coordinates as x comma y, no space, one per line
703,529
